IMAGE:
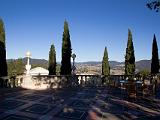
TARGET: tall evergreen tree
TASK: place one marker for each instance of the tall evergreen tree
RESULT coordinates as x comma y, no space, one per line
129,57
3,63
52,61
155,58
105,63
66,51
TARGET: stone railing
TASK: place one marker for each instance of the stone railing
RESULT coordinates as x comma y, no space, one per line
135,85
58,81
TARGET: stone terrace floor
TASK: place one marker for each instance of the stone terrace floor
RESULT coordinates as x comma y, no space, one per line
88,103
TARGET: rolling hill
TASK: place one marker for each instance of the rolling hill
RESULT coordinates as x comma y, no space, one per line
140,65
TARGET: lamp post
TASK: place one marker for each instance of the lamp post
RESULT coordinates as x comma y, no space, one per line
73,67
28,66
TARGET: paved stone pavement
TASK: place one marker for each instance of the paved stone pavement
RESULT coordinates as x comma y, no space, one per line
88,103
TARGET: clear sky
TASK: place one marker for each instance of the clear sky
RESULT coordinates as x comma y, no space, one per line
35,24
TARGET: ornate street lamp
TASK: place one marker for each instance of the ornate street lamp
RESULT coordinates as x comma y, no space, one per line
73,67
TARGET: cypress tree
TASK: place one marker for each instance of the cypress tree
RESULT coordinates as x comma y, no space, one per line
155,59
66,51
52,61
129,57
105,63
3,63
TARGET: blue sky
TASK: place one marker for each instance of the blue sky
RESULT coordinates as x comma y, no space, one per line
35,24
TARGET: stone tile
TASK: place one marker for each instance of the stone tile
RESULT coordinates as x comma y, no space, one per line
31,104
31,97
80,104
45,117
12,95
72,114
47,100
10,104
115,109
38,109
53,100
45,92
17,117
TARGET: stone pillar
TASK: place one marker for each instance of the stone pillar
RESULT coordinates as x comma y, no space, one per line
28,66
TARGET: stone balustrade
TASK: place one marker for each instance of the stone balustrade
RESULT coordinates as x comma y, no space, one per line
136,84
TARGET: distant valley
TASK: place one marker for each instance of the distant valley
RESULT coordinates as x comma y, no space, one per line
93,67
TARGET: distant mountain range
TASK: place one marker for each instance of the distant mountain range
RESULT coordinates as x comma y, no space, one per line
32,61
140,65
92,63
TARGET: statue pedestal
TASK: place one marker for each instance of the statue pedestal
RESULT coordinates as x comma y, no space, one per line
28,82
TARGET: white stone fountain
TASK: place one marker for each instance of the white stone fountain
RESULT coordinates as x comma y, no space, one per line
27,79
